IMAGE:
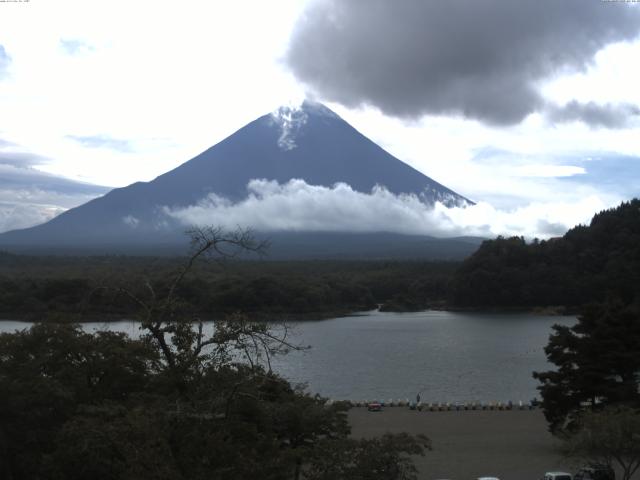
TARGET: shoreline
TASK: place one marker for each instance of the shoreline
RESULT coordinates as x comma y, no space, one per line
278,317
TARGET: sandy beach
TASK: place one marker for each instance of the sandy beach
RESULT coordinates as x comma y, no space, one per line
511,445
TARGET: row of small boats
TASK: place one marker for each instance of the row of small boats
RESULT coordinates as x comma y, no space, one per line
439,407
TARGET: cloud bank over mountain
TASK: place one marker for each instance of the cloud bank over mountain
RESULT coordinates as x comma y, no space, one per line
298,206
29,196
483,60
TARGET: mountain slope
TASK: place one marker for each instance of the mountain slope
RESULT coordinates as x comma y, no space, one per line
310,143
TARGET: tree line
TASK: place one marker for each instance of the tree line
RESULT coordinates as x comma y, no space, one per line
42,288
588,264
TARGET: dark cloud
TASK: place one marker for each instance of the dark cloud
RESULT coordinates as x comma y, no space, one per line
23,215
5,60
20,178
549,229
20,159
29,197
102,141
595,115
482,59
14,155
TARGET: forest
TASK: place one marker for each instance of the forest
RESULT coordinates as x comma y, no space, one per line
177,403
76,288
590,263
80,405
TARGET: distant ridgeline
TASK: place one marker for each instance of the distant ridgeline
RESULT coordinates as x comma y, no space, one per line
588,264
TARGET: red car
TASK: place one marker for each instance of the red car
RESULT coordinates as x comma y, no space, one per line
374,406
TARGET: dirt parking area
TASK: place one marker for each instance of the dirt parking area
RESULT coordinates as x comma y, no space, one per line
510,444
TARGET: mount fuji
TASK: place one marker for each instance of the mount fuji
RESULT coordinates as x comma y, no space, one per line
309,143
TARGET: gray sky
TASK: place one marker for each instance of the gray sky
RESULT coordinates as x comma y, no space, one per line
530,108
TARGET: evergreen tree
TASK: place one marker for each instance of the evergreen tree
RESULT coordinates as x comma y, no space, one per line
598,362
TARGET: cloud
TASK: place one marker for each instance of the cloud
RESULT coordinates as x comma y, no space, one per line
29,196
481,59
102,141
15,215
18,158
5,60
595,115
20,172
547,171
131,221
13,178
74,46
26,205
612,173
298,206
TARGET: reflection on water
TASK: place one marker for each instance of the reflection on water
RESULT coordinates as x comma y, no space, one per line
447,356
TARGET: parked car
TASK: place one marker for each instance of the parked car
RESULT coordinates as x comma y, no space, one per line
488,478
374,406
557,476
595,471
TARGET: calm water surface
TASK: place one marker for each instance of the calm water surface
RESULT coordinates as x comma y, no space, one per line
447,356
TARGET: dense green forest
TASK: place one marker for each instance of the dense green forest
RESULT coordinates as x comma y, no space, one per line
588,264
77,288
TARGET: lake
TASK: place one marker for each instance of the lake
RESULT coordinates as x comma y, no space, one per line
447,356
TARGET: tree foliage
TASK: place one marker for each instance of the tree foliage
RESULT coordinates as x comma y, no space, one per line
184,401
58,288
588,264
47,372
387,457
598,364
610,437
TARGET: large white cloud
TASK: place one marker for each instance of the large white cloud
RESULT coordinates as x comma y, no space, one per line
298,206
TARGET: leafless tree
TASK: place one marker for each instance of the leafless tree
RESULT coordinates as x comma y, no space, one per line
183,342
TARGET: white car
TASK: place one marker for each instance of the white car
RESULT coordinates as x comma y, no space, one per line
557,476
488,478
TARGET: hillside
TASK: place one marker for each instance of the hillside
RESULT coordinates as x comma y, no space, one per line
588,264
